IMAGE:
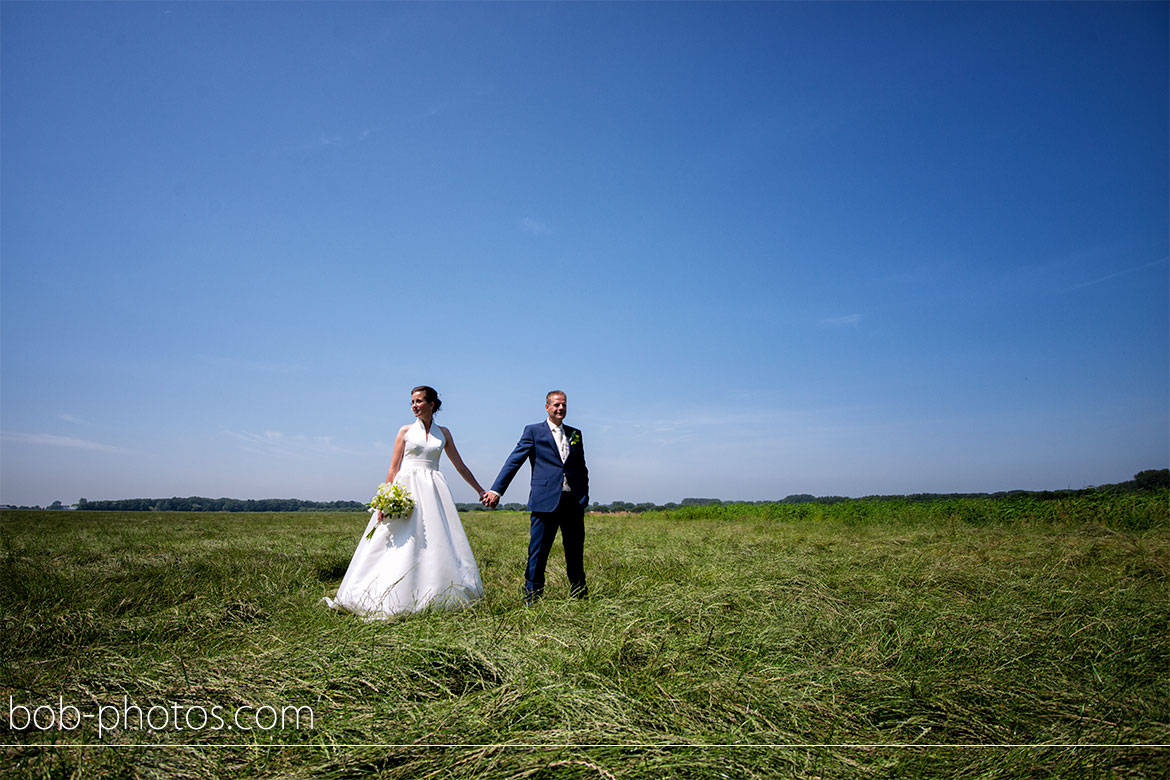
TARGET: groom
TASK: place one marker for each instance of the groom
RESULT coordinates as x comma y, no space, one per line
558,497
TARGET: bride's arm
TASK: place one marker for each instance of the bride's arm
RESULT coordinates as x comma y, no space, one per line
459,465
395,461
399,450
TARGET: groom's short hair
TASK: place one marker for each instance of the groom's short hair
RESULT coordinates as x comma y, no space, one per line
548,396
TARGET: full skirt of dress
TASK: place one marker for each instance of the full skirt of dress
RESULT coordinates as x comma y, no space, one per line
413,563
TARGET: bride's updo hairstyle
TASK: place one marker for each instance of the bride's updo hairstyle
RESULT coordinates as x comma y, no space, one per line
430,394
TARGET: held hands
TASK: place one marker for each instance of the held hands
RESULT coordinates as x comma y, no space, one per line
490,499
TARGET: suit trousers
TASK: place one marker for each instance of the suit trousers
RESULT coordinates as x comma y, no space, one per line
569,517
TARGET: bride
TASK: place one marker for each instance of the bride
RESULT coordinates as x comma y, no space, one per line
424,560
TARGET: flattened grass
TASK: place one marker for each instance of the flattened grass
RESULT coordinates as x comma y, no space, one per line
713,638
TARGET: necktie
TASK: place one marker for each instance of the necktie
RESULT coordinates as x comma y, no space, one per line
563,446
562,443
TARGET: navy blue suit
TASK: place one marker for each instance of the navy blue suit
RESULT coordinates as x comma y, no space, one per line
550,505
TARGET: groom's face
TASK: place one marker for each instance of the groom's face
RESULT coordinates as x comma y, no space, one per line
556,408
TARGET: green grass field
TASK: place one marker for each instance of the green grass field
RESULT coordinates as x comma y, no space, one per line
718,642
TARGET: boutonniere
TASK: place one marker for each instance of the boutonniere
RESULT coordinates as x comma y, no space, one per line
575,439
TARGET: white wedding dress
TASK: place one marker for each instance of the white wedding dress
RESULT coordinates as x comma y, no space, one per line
414,563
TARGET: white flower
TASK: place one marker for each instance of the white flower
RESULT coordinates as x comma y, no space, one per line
393,500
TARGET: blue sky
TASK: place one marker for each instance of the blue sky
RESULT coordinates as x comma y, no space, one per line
766,248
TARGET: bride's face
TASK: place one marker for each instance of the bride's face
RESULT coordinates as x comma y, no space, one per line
419,405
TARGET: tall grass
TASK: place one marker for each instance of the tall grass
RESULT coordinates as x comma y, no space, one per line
716,639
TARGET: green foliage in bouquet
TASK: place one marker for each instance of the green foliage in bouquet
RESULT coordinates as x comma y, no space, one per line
393,500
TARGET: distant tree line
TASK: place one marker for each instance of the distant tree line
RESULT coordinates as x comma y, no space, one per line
1143,481
513,507
200,504
1151,479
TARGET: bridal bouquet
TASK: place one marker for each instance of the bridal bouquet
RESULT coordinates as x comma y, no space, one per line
394,501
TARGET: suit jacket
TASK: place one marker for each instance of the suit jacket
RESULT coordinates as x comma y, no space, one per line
538,446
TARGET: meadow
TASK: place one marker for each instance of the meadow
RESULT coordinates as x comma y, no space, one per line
972,638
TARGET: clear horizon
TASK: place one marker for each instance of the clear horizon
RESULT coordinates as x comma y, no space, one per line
766,248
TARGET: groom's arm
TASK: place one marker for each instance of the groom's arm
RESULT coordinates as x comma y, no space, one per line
523,452
584,469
